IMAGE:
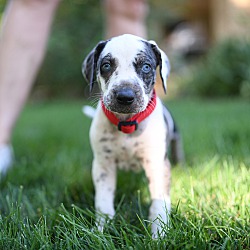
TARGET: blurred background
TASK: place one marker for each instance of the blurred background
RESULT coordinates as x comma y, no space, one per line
207,41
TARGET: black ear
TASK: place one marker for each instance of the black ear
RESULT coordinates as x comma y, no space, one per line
163,64
90,63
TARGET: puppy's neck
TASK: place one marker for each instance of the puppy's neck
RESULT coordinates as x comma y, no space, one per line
128,123
124,117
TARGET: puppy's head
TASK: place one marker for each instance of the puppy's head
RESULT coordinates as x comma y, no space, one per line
125,69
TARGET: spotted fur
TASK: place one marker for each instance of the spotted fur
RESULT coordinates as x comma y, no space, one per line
129,62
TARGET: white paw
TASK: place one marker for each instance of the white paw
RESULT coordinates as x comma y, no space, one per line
6,158
102,219
159,216
100,222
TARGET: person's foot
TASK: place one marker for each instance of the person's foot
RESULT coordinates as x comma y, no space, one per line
6,158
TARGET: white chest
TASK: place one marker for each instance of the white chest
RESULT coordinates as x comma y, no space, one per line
128,151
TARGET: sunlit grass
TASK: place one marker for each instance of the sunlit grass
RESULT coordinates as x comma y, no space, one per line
46,201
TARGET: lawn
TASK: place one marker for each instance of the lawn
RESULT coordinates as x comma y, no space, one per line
46,201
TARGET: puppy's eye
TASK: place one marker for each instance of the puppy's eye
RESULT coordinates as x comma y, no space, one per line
106,67
146,68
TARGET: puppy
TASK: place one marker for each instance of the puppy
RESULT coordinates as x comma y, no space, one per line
131,128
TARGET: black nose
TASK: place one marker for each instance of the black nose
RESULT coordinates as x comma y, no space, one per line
125,96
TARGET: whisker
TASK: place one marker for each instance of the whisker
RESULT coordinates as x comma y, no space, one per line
94,98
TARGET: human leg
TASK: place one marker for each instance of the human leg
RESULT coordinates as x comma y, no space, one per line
125,16
23,41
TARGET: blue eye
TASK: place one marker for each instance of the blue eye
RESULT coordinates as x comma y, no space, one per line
106,67
146,68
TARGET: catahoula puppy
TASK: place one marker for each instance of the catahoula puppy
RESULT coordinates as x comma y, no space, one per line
131,128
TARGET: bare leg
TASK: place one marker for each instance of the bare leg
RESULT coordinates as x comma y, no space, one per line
125,16
22,46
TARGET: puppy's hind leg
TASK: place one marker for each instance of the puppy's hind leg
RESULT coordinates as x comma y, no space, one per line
174,139
176,148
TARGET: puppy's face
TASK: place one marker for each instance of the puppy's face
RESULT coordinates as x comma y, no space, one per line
125,69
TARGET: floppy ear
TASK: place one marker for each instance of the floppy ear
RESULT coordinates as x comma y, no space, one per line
90,63
163,63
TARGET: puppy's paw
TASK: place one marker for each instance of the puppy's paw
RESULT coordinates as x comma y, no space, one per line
159,216
100,222
103,218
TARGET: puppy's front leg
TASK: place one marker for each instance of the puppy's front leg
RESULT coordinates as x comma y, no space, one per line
159,186
104,177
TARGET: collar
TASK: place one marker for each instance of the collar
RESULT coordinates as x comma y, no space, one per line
130,125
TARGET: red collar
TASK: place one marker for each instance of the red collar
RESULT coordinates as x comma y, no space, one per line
130,125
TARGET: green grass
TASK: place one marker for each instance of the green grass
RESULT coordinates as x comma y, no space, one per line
46,201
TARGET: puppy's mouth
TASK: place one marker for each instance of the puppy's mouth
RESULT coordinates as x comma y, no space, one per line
125,101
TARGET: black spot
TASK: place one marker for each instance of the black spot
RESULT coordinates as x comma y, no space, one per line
107,150
112,61
140,159
90,66
146,56
103,176
133,166
103,139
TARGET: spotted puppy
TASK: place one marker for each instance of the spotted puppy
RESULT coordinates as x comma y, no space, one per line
131,127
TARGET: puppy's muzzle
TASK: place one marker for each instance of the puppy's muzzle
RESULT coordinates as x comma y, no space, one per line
125,96
125,99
